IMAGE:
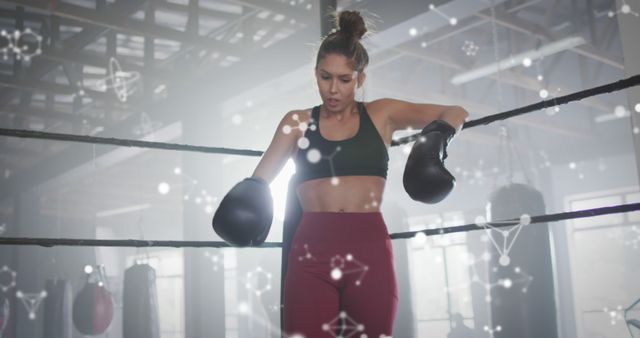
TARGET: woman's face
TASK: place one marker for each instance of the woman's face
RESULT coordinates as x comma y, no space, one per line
337,82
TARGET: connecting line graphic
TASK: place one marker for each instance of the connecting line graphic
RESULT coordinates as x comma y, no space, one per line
337,268
334,179
303,142
347,329
616,314
491,331
31,301
507,245
624,9
506,283
452,20
215,260
307,255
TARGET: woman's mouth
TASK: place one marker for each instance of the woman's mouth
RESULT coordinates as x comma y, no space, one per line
332,102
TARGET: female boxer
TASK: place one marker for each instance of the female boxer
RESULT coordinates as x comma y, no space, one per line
340,265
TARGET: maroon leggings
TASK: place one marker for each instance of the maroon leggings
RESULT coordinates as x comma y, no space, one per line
340,277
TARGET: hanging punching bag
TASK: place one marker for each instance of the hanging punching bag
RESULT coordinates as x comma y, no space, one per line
525,309
93,309
140,303
4,314
57,309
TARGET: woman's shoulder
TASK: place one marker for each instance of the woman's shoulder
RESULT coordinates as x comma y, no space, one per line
299,115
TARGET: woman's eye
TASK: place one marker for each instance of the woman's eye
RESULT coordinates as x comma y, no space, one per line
346,81
325,77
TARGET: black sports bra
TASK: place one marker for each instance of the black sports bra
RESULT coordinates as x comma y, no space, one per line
363,154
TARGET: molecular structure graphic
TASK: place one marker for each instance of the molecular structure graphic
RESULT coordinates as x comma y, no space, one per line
18,44
215,260
633,241
624,9
507,243
7,278
31,301
303,142
307,254
253,281
615,315
338,269
491,331
120,81
348,328
470,48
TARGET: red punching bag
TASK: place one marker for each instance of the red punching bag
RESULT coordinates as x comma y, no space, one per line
93,306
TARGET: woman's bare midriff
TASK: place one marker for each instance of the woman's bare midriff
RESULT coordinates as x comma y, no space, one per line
352,194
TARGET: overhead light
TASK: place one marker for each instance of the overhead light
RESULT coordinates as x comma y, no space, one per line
124,210
516,60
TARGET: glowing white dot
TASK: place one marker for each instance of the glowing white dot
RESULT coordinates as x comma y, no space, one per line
208,209
507,283
572,165
335,181
540,77
637,107
504,260
453,21
163,188
636,130
88,269
543,93
423,44
303,143
303,126
243,308
313,156
526,62
420,238
286,129
236,119
336,274
406,149
525,219
626,9
481,221
620,111
413,32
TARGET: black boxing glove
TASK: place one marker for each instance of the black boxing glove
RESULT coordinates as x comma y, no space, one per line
245,213
425,178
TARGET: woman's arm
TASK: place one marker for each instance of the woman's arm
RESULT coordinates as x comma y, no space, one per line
280,150
403,115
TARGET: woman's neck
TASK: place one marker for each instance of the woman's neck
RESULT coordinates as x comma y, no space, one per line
346,113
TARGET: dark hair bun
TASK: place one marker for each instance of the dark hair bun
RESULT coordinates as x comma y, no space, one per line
351,24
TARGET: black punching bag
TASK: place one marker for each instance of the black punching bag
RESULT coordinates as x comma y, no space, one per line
5,309
525,309
57,309
140,303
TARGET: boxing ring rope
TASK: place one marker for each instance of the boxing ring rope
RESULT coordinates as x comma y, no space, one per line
50,242
607,88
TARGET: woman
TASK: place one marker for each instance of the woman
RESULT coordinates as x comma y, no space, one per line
341,262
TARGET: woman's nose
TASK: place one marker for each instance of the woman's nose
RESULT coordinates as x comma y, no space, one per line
334,87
